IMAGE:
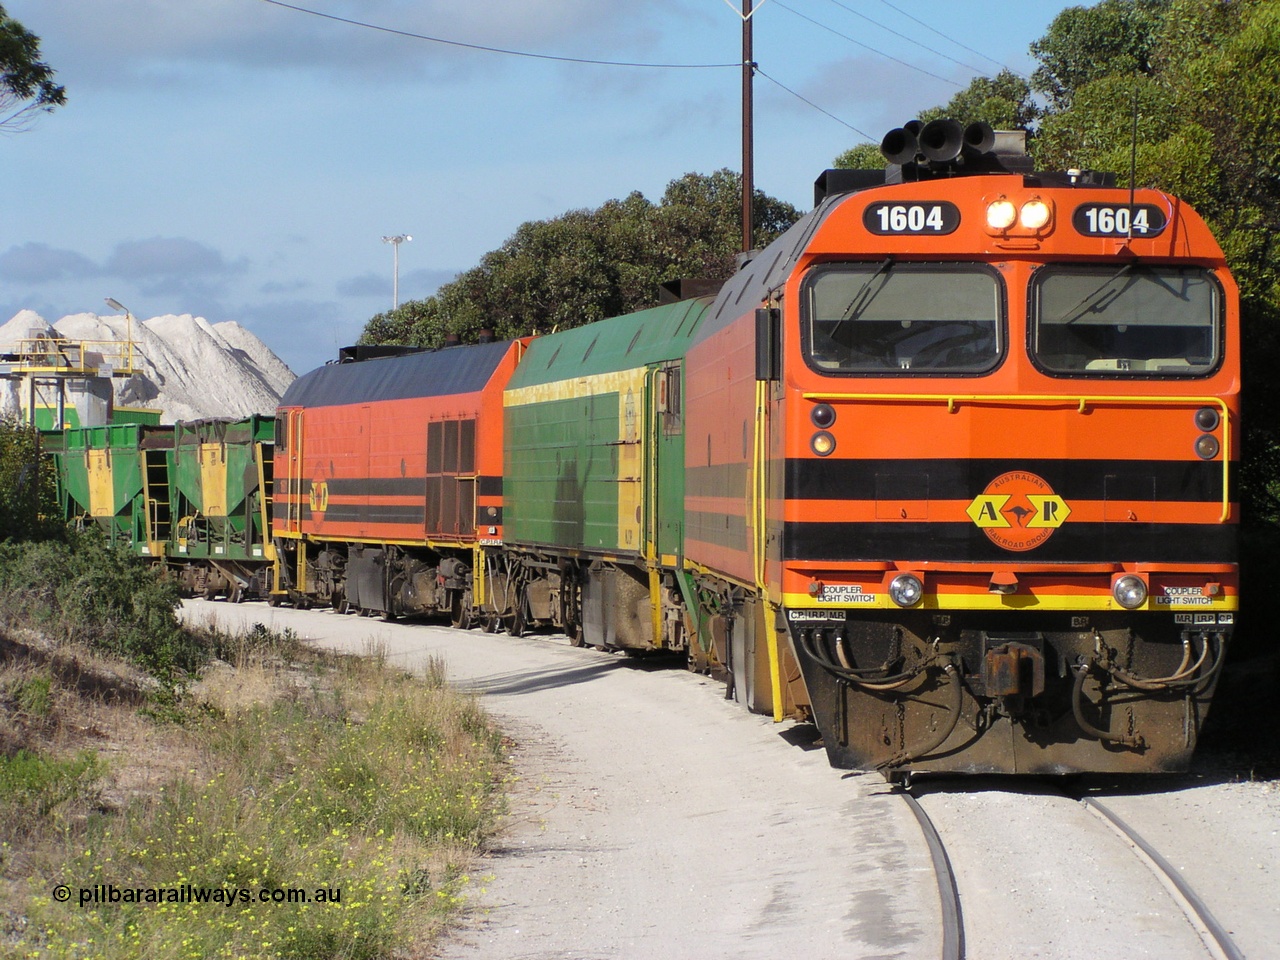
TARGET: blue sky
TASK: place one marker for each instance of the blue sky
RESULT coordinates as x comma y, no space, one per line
239,160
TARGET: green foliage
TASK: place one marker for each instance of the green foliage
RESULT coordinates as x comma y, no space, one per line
863,156
33,696
33,785
587,265
26,83
370,784
1004,101
82,591
259,644
28,498
1115,37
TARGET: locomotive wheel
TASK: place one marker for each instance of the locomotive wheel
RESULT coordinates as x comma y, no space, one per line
460,615
515,624
273,600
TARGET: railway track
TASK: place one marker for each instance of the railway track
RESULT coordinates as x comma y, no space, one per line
1104,903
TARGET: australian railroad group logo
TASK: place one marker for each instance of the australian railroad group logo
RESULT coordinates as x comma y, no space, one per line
318,498
1018,511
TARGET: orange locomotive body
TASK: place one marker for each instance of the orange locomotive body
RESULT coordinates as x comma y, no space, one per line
389,481
978,471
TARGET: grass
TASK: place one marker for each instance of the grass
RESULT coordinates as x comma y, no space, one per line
366,790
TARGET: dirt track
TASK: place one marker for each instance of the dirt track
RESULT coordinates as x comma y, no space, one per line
653,819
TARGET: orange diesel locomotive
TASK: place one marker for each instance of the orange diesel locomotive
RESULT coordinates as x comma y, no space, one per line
390,481
977,475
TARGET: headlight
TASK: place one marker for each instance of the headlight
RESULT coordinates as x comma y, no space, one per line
1001,215
1035,214
1130,592
906,590
822,444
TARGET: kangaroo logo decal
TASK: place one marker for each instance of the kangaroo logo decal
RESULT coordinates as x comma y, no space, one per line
1018,511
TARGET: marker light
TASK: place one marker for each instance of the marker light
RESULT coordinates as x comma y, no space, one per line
1034,215
1207,446
1001,215
906,590
823,415
1130,591
822,444
1207,419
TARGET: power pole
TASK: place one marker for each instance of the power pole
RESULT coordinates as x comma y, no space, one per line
748,152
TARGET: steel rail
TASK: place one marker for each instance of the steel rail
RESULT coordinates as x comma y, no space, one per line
1204,921
948,893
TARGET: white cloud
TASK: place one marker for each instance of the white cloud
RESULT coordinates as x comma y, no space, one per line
40,263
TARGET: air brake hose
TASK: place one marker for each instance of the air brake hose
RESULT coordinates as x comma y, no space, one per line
920,751
1187,678
1077,700
855,676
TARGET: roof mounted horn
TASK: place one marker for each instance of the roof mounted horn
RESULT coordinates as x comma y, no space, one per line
946,148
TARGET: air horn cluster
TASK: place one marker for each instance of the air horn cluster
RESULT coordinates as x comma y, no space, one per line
939,145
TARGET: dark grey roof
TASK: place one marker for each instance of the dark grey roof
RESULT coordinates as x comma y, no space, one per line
438,373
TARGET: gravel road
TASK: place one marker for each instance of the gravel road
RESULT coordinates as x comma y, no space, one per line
652,818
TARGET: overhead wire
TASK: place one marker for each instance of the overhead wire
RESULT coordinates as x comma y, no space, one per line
906,37
499,50
812,104
561,59
934,30
483,48
856,42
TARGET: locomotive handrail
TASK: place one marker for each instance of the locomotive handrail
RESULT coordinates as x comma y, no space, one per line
1081,403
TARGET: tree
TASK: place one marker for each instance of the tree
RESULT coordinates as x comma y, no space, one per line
586,265
1004,101
26,83
1116,37
28,500
1201,78
863,156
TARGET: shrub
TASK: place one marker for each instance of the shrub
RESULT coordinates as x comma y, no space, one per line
28,500
80,590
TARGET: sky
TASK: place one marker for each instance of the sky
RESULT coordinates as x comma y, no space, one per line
243,159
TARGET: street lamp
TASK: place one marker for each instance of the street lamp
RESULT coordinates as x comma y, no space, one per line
115,304
395,246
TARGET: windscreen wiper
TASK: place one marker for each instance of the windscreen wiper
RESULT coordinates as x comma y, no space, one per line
1096,298
862,299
